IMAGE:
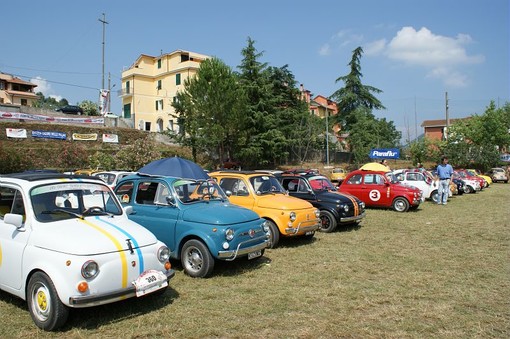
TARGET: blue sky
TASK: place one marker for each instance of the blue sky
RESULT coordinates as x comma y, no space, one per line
414,51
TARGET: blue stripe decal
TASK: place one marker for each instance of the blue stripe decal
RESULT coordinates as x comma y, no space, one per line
135,243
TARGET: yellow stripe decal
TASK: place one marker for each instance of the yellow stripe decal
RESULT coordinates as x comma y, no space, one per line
117,244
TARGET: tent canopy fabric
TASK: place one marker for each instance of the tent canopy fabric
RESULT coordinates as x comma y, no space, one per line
374,166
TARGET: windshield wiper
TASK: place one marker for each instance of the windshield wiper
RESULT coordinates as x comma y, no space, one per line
60,210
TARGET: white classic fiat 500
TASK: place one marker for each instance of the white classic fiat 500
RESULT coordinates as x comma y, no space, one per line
66,242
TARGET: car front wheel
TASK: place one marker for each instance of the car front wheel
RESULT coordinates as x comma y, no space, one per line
274,234
400,204
46,309
196,259
328,222
434,196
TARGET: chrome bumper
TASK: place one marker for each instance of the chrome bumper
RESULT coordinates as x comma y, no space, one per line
233,254
352,219
303,229
100,299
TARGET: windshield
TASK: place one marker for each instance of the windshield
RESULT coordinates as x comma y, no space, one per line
66,200
320,183
190,191
265,184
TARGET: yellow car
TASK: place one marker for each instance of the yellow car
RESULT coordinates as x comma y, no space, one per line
337,175
487,178
261,192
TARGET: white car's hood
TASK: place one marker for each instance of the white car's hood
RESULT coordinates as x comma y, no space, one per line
92,235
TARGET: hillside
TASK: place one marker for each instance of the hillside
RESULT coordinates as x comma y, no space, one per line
20,154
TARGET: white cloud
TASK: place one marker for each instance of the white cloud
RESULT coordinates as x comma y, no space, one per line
427,49
42,85
441,56
325,50
45,88
374,47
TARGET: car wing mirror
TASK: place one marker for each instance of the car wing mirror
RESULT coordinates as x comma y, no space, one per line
15,220
128,209
170,200
228,193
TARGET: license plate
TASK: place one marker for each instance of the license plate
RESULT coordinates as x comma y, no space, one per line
255,254
150,281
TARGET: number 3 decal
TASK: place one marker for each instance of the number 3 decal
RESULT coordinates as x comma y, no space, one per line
374,195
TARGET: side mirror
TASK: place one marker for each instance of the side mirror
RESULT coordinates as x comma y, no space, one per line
170,200
128,209
228,193
15,220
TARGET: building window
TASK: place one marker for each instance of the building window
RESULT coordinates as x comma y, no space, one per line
2,85
127,87
159,85
127,111
159,105
171,125
178,79
184,57
175,100
159,63
23,102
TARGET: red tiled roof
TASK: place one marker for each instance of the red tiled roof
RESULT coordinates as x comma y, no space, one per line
440,122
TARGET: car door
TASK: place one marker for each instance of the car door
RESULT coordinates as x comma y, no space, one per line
151,209
13,241
374,190
240,190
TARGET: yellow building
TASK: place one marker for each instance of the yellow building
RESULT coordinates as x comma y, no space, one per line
150,86
17,92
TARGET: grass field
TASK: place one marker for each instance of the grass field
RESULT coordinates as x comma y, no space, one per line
439,272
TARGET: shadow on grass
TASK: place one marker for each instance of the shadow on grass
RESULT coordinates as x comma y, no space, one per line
97,316
91,318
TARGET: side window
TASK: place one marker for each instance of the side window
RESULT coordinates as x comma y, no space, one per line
291,185
302,188
146,193
11,201
161,194
355,179
379,179
125,192
236,186
411,177
369,179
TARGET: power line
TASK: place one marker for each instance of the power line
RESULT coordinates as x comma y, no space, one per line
55,82
49,71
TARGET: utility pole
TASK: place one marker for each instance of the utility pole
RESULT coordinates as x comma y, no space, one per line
447,117
104,22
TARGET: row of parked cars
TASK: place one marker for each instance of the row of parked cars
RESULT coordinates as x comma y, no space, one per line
78,240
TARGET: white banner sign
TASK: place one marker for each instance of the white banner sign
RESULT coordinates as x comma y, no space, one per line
111,138
37,117
16,132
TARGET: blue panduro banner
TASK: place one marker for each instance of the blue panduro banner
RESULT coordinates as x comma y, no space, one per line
384,153
49,135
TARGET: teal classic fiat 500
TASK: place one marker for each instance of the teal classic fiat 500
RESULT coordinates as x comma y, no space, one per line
194,219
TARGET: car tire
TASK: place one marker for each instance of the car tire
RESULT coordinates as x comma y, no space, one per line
46,309
400,204
196,259
328,222
274,234
468,189
434,196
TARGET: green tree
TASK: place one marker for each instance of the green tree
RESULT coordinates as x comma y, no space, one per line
210,110
354,94
263,140
89,108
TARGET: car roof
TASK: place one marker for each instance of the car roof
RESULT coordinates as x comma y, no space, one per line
37,175
241,172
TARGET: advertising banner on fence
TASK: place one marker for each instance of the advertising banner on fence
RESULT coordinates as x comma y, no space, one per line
37,117
20,133
85,137
384,153
111,138
505,157
48,135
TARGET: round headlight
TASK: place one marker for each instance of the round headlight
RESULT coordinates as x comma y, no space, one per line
265,226
229,234
292,216
163,254
317,213
89,269
346,208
